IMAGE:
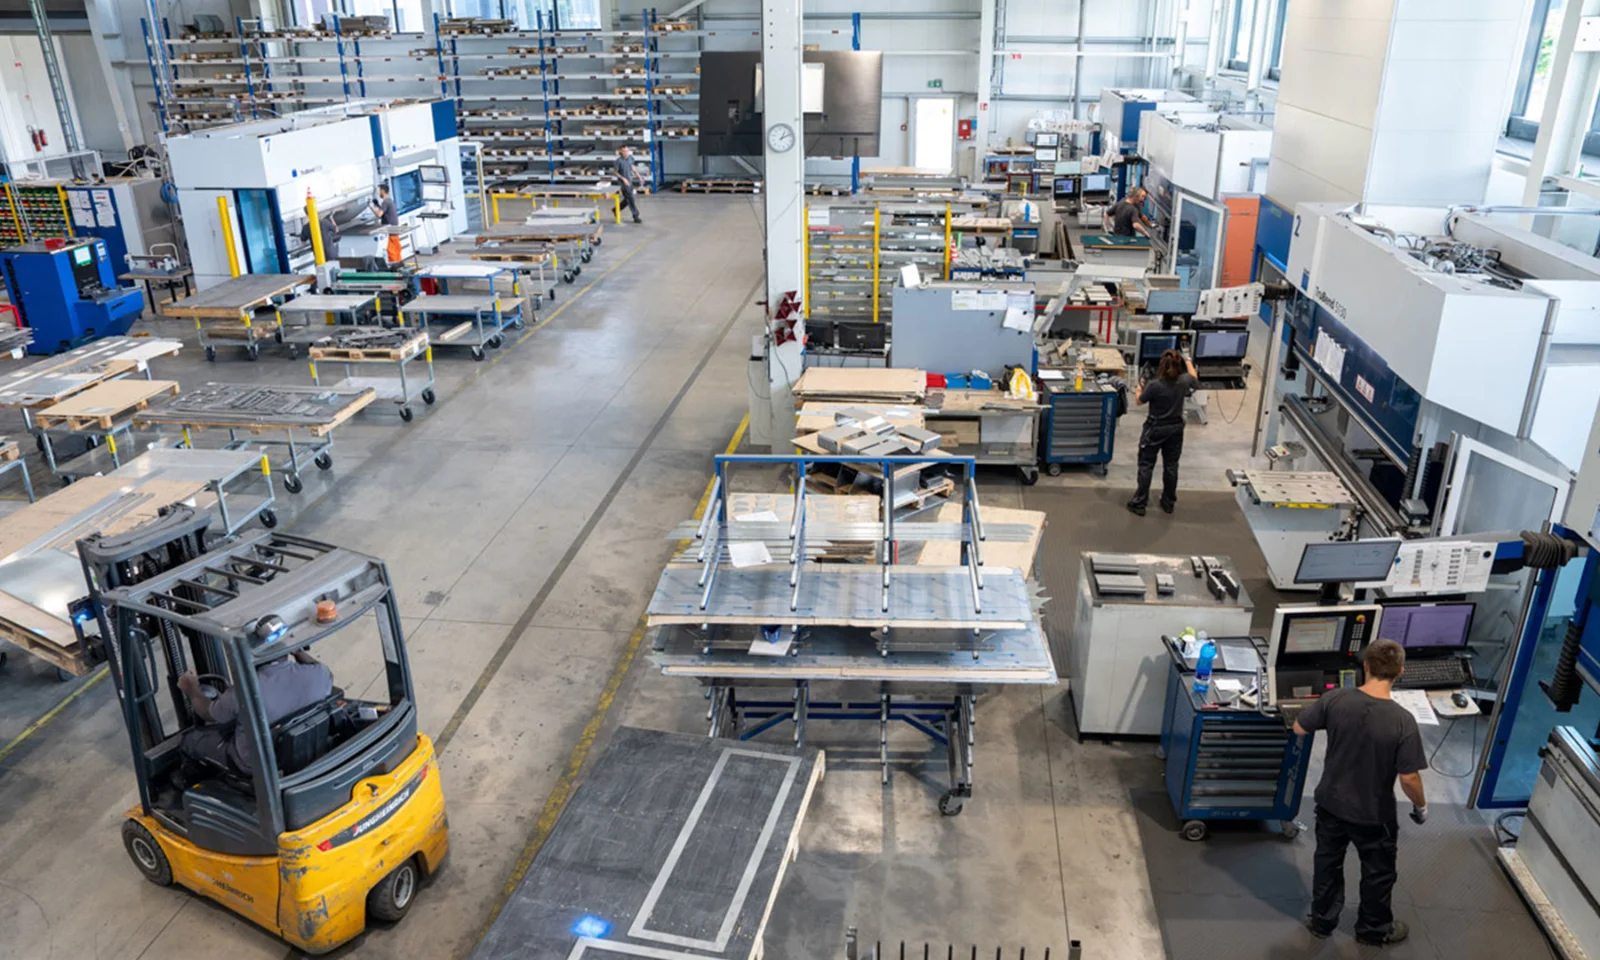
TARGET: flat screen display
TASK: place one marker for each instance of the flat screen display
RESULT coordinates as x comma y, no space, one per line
1427,626
1222,345
1097,182
1172,301
1313,634
1151,347
82,255
1353,561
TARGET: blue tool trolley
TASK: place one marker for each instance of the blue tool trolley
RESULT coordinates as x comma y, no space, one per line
1080,425
1228,762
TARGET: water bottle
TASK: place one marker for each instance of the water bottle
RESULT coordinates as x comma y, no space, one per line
1202,665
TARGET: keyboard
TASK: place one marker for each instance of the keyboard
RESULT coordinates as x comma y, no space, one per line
1209,372
1444,672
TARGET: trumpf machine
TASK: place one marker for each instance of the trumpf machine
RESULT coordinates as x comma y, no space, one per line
67,293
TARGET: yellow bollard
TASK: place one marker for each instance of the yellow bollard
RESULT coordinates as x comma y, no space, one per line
227,235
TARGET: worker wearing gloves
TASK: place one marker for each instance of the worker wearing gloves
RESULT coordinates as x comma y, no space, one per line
1371,741
1163,429
629,178
1125,218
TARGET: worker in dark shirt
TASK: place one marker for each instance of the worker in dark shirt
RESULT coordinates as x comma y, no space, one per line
287,685
1126,217
1163,429
629,178
1371,741
384,209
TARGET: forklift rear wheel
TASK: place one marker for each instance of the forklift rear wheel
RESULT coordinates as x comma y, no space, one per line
211,354
1194,830
324,461
293,484
393,895
146,853
1053,469
269,519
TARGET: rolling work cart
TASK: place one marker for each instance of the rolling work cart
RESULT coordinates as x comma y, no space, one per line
1080,424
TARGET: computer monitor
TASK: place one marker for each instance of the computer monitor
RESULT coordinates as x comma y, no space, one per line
1428,625
1347,561
407,191
1315,649
1097,183
1047,140
1172,302
1221,345
1065,186
1153,344
1314,634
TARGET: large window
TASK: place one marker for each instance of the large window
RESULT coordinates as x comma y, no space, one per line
1241,21
1533,79
410,16
1275,60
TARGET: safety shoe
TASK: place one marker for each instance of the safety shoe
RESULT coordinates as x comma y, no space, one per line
1398,931
1318,930
1136,508
1166,507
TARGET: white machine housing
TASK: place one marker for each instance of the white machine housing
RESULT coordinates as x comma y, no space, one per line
338,157
1119,128
1515,374
1210,155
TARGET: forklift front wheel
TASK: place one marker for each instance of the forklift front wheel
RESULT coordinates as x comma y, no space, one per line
392,897
146,853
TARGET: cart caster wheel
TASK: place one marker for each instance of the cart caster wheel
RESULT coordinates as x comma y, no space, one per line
211,354
950,804
477,353
252,351
1030,475
278,334
1290,829
428,397
1100,469
63,675
146,853
577,271
91,441
1194,830
496,342
551,296
293,484
587,256
599,240
1053,469
38,441
324,461
406,414
268,519
518,323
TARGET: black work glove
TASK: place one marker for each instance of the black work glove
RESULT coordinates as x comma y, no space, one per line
1419,815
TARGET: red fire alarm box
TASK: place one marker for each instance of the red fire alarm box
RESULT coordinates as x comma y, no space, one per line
964,129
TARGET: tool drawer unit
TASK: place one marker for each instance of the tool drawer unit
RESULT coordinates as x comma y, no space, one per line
1080,426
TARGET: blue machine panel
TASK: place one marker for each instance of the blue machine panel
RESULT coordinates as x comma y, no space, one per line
107,223
1274,230
68,296
1387,403
1131,112
444,119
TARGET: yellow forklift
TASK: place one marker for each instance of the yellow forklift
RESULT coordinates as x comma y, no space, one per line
342,819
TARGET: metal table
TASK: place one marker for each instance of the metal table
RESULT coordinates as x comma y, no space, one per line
989,427
223,313
226,473
485,318
98,414
167,280
350,345
579,241
555,193
1287,510
354,306
311,412
523,260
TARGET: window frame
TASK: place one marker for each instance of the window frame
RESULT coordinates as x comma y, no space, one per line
1274,69
1233,60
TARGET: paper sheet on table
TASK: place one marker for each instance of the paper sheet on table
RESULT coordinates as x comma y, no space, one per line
1416,703
764,516
1052,375
1228,685
1238,657
1017,319
749,553
777,648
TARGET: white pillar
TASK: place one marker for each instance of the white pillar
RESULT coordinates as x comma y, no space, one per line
1266,12
784,153
1574,78
980,130
1214,43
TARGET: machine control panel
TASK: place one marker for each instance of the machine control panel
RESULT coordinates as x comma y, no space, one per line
1315,649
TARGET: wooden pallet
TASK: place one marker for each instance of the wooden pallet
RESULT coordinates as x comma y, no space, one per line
101,406
827,190
237,330
405,351
9,450
720,186
671,26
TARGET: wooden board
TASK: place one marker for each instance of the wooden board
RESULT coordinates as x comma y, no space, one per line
236,329
404,351
36,520
9,450
104,404
1015,556
845,383
49,380
965,401
230,298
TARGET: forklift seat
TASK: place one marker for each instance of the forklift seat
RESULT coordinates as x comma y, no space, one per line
299,739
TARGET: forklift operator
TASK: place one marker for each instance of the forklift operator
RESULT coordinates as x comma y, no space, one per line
288,684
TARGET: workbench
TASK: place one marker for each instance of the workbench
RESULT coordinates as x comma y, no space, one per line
987,425
1226,760
399,346
41,578
692,862
224,312
305,415
353,307
523,260
167,280
98,415
486,317
579,240
555,193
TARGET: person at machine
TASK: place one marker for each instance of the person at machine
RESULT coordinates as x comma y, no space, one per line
1371,741
384,209
330,234
288,684
629,178
1163,429
1126,218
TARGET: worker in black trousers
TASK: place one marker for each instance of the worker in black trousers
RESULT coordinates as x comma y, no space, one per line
629,178
1372,741
1163,429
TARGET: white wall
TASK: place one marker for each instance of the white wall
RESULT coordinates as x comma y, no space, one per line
25,98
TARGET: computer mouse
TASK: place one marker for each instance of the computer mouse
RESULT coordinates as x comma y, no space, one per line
1459,699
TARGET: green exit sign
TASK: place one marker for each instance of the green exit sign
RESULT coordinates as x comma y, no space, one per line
936,84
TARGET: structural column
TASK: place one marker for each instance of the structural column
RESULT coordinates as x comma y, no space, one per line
784,153
1574,81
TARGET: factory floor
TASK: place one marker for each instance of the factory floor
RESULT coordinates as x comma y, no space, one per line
523,520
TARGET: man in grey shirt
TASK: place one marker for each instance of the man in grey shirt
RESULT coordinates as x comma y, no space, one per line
383,207
629,178
287,684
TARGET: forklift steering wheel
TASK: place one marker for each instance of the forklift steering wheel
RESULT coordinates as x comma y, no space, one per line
212,685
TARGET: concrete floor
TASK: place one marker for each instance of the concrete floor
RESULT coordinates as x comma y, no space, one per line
523,520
